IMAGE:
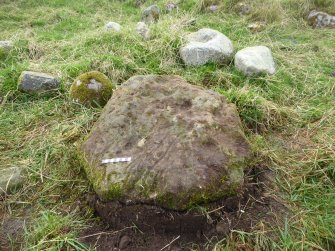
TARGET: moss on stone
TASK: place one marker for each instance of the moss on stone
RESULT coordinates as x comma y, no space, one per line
92,88
95,177
115,191
3,53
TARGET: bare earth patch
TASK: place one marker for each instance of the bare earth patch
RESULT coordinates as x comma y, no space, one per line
147,227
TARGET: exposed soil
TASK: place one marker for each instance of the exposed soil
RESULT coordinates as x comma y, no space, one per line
10,228
145,227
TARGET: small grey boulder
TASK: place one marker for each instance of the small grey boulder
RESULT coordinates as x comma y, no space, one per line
151,14
213,8
319,19
112,26
242,9
171,6
10,178
6,45
255,60
206,46
143,30
37,82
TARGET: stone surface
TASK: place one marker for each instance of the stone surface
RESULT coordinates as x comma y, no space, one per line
151,14
186,145
124,242
92,88
10,178
207,46
255,60
213,8
112,26
6,45
191,22
319,19
242,9
37,82
257,27
143,30
170,7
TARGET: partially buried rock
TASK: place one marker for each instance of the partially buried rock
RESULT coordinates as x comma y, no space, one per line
171,6
37,82
319,19
91,88
5,47
151,14
124,242
10,178
191,22
242,9
213,8
112,26
186,145
143,30
206,46
255,60
257,27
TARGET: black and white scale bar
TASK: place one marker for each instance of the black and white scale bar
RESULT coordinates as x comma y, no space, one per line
116,160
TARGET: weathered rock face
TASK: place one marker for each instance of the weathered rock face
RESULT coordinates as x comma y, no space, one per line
5,47
91,88
10,178
151,14
319,19
242,9
37,82
143,30
170,7
257,27
186,145
255,60
112,26
213,8
207,46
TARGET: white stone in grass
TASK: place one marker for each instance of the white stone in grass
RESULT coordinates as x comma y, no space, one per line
10,178
255,60
207,46
112,26
319,19
143,30
6,45
171,6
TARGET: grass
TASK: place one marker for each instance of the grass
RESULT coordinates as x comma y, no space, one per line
289,117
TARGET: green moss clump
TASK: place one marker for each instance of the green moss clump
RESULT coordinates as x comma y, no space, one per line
115,192
3,54
92,88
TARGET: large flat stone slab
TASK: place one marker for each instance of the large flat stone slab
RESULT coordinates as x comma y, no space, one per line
185,143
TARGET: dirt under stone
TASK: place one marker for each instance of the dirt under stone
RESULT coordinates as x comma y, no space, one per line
147,227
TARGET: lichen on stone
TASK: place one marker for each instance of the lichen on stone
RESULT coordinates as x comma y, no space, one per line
92,88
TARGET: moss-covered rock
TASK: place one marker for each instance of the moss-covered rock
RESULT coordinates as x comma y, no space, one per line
92,88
